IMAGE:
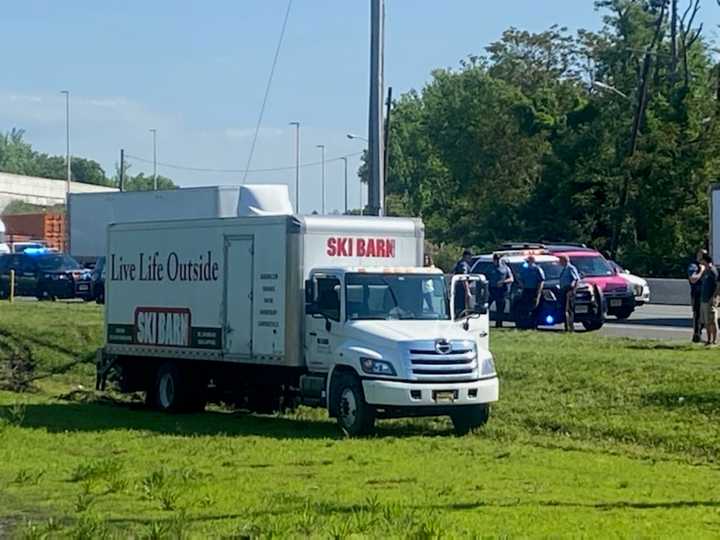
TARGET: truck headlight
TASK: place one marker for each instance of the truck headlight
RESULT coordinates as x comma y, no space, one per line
487,367
377,367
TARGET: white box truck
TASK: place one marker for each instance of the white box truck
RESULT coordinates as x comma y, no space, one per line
89,214
271,311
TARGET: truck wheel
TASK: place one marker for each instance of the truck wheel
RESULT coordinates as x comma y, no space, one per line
469,418
174,392
355,417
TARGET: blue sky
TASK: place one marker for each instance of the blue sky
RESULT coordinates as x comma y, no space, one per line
197,71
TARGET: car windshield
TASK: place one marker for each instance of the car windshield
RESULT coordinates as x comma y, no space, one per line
56,261
392,296
592,266
552,269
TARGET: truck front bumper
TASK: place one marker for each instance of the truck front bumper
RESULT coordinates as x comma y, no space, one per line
382,393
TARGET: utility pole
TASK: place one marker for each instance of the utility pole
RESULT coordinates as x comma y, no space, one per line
121,180
297,166
376,160
155,183
68,174
322,149
346,184
386,156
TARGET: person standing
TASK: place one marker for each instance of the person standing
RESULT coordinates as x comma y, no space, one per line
462,291
693,269
707,276
532,279
569,279
500,280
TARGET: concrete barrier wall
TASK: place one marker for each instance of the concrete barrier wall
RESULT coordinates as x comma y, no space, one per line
42,191
674,292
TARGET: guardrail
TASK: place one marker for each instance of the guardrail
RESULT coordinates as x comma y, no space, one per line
675,292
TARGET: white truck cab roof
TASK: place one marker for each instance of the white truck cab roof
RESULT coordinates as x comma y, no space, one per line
378,270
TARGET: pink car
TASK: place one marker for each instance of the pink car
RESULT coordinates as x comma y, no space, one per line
595,269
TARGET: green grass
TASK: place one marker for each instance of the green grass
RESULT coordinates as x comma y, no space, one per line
592,437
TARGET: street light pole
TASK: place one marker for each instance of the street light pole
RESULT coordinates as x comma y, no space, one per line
155,182
297,166
68,174
346,184
322,148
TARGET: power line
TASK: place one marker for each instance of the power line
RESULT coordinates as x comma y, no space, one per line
267,90
238,171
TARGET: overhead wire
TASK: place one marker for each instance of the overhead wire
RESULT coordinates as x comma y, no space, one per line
238,171
267,90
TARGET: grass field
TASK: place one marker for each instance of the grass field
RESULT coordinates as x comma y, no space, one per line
592,437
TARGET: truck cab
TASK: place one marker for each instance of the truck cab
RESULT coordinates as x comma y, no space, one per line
393,342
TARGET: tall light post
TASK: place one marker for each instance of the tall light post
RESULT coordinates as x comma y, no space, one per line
352,137
155,182
68,174
297,166
346,178
322,149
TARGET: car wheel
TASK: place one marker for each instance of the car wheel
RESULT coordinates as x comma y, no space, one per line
623,314
592,326
468,418
354,416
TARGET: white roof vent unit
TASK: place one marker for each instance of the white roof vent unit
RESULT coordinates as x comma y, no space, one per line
264,200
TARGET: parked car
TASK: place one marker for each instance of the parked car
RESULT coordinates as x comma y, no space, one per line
639,286
98,280
595,269
589,305
44,274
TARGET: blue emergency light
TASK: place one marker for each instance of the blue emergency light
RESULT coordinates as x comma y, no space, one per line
35,251
550,320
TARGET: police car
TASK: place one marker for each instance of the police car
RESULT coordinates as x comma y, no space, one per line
589,304
45,274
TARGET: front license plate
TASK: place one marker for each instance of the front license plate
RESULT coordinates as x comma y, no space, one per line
582,309
83,287
615,303
444,396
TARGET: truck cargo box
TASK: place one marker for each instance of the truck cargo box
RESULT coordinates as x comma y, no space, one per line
89,214
232,289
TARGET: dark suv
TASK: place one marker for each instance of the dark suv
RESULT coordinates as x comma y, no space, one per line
44,274
589,305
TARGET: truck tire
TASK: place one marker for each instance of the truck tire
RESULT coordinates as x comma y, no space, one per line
470,417
354,416
592,326
175,392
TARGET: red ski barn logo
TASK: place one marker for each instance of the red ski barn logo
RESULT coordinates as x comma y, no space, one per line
347,246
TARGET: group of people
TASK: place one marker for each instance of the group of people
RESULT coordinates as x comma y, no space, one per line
532,281
704,293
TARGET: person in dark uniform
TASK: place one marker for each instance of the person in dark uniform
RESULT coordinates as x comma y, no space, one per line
695,288
500,280
462,291
569,279
532,279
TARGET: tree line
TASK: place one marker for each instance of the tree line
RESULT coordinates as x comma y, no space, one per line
17,156
609,138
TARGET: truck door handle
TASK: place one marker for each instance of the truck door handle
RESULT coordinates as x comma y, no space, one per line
314,334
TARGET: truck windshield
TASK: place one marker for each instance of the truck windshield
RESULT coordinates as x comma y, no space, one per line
393,296
592,266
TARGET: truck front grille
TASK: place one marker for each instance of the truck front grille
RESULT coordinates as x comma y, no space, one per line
428,364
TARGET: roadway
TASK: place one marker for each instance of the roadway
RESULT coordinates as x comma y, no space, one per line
653,321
